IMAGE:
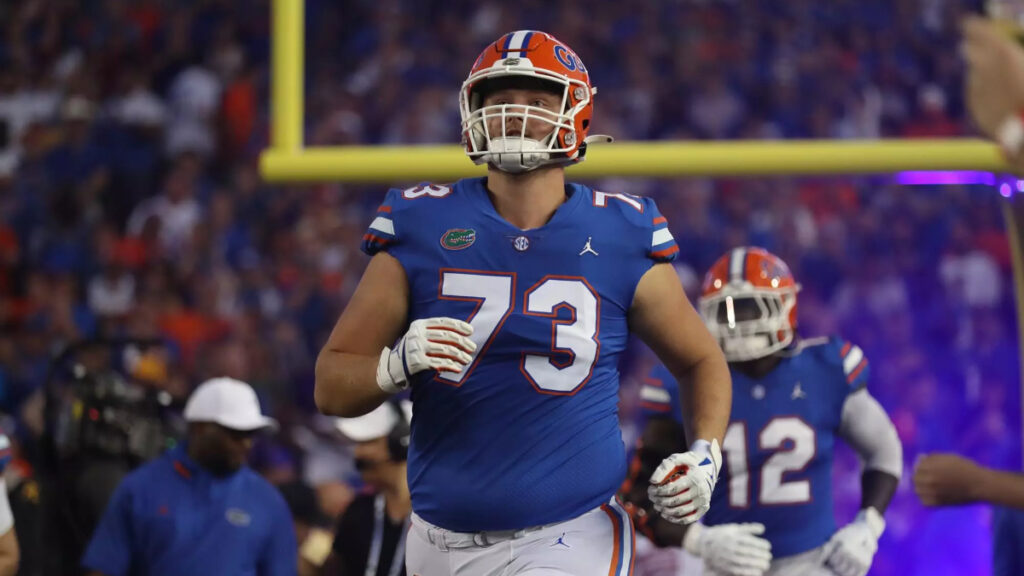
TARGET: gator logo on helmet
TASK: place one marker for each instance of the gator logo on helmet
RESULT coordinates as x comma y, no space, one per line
773,269
568,59
458,239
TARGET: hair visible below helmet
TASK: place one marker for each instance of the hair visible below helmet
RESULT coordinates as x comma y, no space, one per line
531,60
749,303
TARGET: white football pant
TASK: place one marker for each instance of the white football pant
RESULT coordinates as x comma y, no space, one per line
598,543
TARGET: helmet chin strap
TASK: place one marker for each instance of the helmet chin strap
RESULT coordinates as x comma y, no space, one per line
516,154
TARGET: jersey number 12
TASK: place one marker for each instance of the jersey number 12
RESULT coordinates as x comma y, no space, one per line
774,490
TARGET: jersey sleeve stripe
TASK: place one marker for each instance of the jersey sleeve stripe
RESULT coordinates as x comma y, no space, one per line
385,209
660,220
845,350
652,394
376,240
852,359
384,225
856,372
661,254
660,237
655,407
652,381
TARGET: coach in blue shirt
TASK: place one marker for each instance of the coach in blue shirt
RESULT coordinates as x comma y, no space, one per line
198,509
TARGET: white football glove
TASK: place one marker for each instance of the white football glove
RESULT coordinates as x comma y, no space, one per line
853,547
430,344
730,549
681,487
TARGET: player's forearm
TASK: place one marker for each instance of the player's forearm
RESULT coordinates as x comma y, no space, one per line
877,489
667,534
346,384
10,555
1001,488
706,396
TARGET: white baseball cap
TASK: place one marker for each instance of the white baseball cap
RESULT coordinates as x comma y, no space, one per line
231,403
376,424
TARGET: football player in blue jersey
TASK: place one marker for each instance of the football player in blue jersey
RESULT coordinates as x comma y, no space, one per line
771,511
10,555
944,479
504,304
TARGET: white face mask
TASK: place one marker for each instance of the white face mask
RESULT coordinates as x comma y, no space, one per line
740,348
516,154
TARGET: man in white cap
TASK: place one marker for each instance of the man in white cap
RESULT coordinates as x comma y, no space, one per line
198,509
381,446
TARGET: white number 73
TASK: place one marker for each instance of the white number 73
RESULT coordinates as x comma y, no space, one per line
494,295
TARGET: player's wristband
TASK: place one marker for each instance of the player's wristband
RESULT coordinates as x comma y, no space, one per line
701,446
1010,134
711,450
691,541
391,376
873,520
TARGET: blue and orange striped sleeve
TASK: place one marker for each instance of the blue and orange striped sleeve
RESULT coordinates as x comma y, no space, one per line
382,233
855,365
663,246
5,451
659,395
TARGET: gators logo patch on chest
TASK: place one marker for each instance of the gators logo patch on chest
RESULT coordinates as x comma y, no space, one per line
458,239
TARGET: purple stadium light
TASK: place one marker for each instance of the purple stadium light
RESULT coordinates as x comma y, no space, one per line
1005,190
935,177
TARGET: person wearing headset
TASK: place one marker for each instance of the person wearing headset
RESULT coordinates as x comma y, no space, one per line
370,535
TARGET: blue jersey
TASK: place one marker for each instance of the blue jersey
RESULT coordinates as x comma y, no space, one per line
1008,537
778,448
528,433
5,451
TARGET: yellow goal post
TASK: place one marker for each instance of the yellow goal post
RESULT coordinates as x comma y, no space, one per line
288,160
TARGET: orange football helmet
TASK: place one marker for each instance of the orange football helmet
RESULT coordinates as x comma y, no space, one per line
530,59
749,303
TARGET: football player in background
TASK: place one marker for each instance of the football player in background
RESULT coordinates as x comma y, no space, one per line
505,303
771,511
994,85
10,555
953,480
994,89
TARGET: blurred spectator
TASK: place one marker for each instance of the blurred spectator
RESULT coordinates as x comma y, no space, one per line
932,120
312,530
971,276
194,100
203,478
176,210
382,443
